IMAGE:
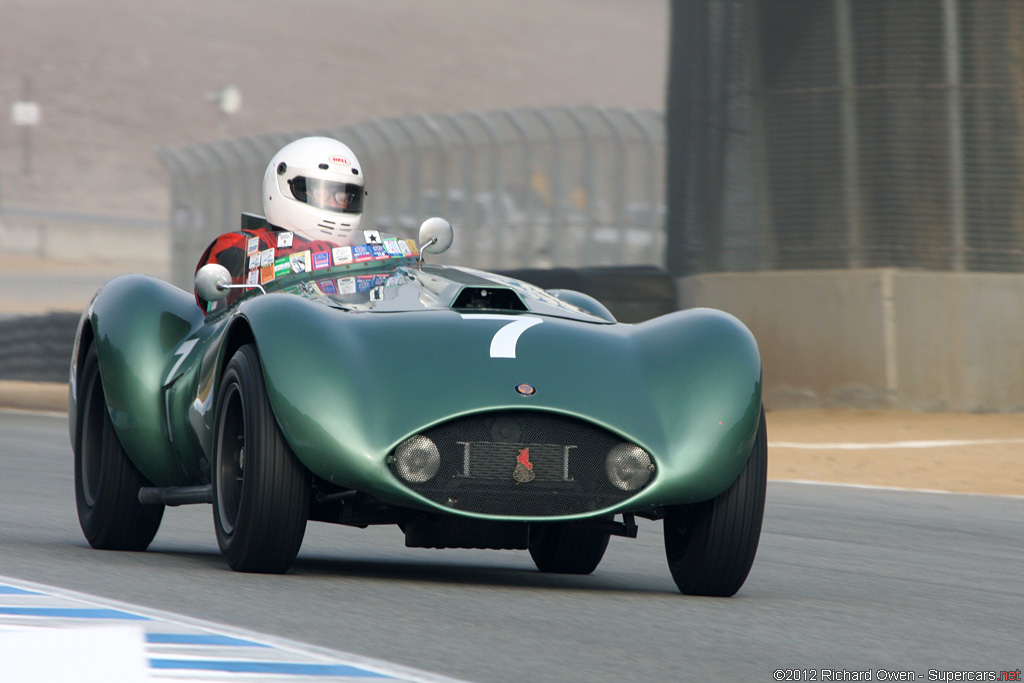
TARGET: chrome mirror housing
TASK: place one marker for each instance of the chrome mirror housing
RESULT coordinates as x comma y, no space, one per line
213,282
436,236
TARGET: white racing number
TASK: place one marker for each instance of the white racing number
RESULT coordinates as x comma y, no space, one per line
503,344
182,354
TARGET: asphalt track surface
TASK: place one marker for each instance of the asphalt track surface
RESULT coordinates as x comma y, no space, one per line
845,578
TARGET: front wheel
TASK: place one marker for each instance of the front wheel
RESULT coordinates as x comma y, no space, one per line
711,545
106,482
261,491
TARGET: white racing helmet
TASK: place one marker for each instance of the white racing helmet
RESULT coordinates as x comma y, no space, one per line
314,186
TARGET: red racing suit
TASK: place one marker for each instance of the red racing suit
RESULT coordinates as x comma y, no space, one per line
258,256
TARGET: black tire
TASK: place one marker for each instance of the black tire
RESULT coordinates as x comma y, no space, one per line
563,549
106,482
261,492
711,545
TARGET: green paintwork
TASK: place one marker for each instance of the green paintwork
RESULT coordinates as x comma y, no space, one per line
351,376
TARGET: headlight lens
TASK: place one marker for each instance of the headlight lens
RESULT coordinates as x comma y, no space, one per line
417,459
628,466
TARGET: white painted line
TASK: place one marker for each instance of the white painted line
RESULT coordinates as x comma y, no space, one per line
948,443
174,646
877,487
100,654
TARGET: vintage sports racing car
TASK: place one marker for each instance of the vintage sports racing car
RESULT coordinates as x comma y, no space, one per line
471,409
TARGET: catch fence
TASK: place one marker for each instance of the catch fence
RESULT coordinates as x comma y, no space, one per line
806,134
527,188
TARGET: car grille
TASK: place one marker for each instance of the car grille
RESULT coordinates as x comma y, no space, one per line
478,471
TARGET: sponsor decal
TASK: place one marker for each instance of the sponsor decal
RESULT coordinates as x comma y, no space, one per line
372,236
282,266
284,240
321,259
254,277
362,252
523,473
391,246
342,255
525,389
252,246
307,288
413,249
337,159
328,287
254,261
365,282
404,247
377,293
379,252
346,285
267,266
299,262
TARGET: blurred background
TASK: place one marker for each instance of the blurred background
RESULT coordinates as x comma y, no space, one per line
843,176
96,91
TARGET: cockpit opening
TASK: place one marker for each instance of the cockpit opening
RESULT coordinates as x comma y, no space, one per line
489,298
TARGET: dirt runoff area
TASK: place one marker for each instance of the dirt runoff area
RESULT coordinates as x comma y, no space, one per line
953,452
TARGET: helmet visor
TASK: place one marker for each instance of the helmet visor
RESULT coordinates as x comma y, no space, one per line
328,194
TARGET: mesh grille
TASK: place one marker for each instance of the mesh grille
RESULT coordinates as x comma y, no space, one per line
481,469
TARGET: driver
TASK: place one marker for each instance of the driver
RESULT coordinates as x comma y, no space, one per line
313,193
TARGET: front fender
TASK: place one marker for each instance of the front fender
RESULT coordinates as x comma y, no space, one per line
137,322
703,369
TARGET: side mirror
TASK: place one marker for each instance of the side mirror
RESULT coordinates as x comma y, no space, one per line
213,282
436,236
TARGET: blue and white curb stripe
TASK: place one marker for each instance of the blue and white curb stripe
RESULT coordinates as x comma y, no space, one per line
51,634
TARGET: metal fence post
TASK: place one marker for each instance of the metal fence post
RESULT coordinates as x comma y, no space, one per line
951,29
848,125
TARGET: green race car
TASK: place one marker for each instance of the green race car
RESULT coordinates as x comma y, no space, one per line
471,409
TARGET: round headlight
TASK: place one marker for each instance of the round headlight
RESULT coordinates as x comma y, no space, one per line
417,459
628,466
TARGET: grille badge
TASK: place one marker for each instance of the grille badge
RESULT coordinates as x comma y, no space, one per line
523,473
525,389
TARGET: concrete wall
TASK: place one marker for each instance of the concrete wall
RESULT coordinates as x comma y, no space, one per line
879,338
85,238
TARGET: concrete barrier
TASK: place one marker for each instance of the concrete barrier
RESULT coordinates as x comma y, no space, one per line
81,237
879,338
